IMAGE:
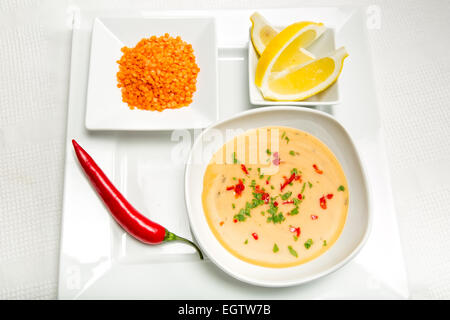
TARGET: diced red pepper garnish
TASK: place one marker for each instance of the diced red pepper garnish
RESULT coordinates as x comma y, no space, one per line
287,181
235,220
267,181
323,203
313,217
244,168
265,197
317,169
275,204
276,159
298,178
330,196
221,223
300,197
296,230
288,202
237,188
255,236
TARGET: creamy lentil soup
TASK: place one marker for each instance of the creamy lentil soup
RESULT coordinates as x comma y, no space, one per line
275,197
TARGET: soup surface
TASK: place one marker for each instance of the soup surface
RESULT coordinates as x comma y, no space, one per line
275,197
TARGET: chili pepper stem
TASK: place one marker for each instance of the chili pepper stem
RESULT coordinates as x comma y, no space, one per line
172,236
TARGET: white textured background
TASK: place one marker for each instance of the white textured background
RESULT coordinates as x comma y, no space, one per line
410,53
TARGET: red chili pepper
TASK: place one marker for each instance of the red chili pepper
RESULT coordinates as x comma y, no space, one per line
235,220
275,204
287,181
323,203
300,196
330,196
244,168
287,202
136,224
230,188
313,217
267,181
317,169
255,236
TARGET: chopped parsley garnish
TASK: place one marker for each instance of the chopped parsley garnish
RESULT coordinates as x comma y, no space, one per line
310,184
246,241
303,188
274,217
292,153
283,135
287,139
233,205
341,188
253,184
268,178
286,195
294,171
294,211
263,213
275,248
261,176
324,243
308,243
296,201
268,152
235,160
272,187
239,217
295,237
292,251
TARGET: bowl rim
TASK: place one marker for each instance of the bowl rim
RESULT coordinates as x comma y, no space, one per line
293,282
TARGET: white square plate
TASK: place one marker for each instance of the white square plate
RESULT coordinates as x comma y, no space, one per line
323,46
105,109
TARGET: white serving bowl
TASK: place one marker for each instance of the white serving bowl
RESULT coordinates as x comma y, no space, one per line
329,131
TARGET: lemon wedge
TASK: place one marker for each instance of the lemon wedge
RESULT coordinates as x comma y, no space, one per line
304,80
287,49
261,32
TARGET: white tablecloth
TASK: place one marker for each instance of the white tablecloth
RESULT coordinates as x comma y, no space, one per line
409,42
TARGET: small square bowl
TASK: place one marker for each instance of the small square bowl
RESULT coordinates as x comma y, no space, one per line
104,107
324,45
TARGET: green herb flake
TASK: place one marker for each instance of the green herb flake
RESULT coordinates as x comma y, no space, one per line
308,243
275,248
303,188
294,212
246,241
263,213
296,201
233,205
292,153
235,160
272,187
310,184
292,251
287,139
341,188
324,243
268,152
286,195
294,171
261,176
295,237
283,135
